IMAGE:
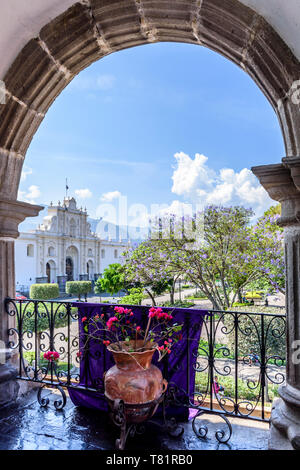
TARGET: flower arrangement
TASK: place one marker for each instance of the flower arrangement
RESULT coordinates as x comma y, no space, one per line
121,332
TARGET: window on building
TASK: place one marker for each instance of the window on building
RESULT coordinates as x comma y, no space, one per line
30,250
90,252
51,251
102,253
73,228
116,253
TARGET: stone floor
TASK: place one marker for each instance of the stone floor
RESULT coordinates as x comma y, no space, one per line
27,426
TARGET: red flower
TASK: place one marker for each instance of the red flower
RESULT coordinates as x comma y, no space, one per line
97,317
51,356
138,328
84,319
79,354
106,343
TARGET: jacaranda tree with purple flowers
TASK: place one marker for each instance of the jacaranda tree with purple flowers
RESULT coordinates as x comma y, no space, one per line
222,255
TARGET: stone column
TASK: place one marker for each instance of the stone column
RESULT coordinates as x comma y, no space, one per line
283,184
12,213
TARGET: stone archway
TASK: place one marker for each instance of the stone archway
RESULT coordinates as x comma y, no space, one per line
69,269
72,261
92,29
90,270
51,271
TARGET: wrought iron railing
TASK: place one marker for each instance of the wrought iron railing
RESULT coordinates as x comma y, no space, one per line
239,363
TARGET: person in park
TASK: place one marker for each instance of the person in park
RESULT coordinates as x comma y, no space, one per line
253,358
217,388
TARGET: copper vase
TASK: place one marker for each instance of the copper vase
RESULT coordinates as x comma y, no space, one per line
134,380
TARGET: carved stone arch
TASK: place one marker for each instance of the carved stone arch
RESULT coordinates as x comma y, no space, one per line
92,29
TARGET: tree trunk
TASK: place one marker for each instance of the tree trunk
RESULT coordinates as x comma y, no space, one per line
172,292
152,297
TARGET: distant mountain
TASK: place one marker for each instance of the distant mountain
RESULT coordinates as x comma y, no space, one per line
109,231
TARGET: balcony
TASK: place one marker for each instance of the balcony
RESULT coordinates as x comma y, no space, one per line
244,350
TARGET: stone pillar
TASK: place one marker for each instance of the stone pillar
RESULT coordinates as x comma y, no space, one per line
12,213
283,184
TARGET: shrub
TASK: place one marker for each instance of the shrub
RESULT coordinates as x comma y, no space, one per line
178,303
253,295
44,291
79,288
244,391
134,297
249,337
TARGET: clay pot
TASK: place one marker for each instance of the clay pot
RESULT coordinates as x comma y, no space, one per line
134,380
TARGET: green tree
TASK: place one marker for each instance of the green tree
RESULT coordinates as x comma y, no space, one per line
113,280
134,297
79,288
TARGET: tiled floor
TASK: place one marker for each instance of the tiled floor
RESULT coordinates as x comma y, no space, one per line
28,426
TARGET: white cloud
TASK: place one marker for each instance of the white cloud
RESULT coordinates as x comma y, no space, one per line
176,208
83,193
110,196
190,173
30,195
25,172
197,182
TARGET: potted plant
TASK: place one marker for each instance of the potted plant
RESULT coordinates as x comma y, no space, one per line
134,379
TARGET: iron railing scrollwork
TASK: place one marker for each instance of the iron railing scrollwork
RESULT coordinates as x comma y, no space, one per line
238,364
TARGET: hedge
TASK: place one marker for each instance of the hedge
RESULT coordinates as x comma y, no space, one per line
78,288
44,291
244,391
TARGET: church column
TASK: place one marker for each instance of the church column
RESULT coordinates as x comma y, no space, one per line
283,184
12,213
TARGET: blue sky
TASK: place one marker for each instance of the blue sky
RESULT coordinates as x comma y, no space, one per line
158,123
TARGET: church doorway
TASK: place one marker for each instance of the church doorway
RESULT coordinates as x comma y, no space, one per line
50,271
69,269
90,270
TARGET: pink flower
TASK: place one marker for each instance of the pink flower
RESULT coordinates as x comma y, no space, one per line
51,356
110,322
119,310
138,328
84,319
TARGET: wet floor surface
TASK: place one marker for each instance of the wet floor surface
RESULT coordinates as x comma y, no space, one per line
27,426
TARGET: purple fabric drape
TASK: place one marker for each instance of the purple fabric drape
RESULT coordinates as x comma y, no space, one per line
178,368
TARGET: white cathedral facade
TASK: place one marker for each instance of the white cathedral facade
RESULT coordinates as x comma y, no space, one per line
63,248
